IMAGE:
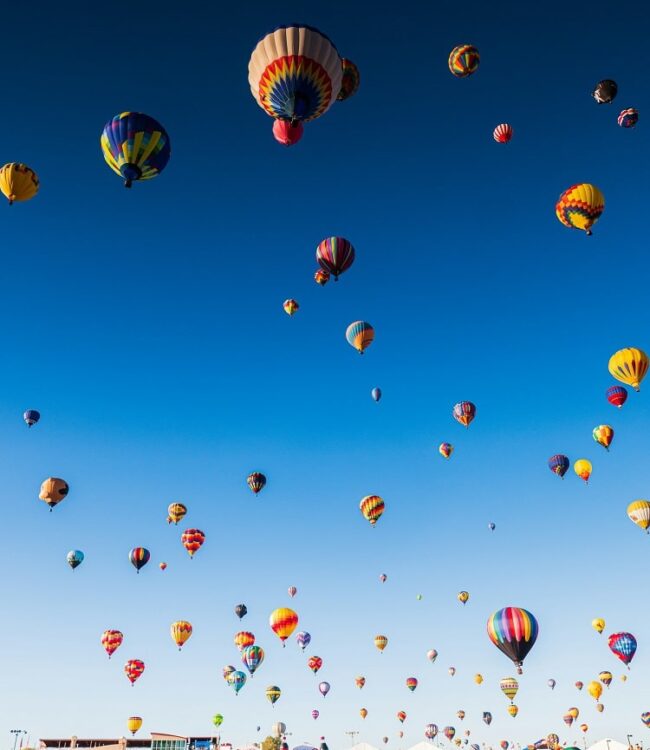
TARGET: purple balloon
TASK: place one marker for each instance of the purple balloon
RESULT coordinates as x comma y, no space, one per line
324,688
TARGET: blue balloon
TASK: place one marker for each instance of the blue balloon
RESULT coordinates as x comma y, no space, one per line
75,557
31,416
376,394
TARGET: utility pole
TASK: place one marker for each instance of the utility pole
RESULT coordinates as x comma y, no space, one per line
16,733
352,734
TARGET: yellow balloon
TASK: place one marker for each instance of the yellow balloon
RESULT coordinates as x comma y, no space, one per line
639,512
629,366
575,712
381,642
134,723
623,678
180,632
478,679
18,182
583,468
513,710
598,624
600,708
509,687
595,689
463,596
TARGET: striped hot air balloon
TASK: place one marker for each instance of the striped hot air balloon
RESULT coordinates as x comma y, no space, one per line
18,182
283,622
360,335
616,395
580,206
181,630
192,540
513,631
639,512
559,464
630,366
502,133
111,641
464,412
133,669
372,507
350,80
463,60
139,557
628,118
335,255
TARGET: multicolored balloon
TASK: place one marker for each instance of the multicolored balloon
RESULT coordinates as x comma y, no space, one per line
252,657
359,682
314,663
139,557
451,671
31,417
283,622
315,714
463,597
335,255
290,306
464,412
606,678
53,491
645,718
111,641
256,481
162,565
628,117
603,435
74,558
579,685
243,639
133,669
381,642
513,631
176,512
237,680
605,91
192,540
372,508
559,464
463,60
411,683
460,714
445,449
629,365
580,207
304,639
431,731
321,277
616,395
639,512
350,80
449,733
181,631
18,182
583,469
360,335
509,687
623,645
503,133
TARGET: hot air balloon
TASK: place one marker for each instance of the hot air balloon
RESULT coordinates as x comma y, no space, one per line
315,714
383,578
283,622
111,641
243,639
623,678
579,685
430,731
227,671
237,680
460,714
449,733
551,683
487,717
217,720
181,630
359,682
606,678
74,558
553,741
451,671
629,366
445,449
509,687
595,689
292,591
139,557
432,655
192,540
162,565
372,507
53,490
350,80
335,255
575,712
135,146
639,512
401,715
616,395
363,713
463,597
314,663
513,631
18,182
628,118
321,277
478,679
584,728
411,683
376,394
290,306
600,708
502,133
583,469
464,412
287,133
463,60
513,710
133,669
303,638
504,744
645,718
492,526
241,610
324,688
176,512
567,719
598,624
252,657
384,740
622,645
559,464
580,206
31,417
278,729
603,435
605,91
360,335
295,73
133,723
381,642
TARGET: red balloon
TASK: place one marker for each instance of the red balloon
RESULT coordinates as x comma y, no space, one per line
502,133
286,133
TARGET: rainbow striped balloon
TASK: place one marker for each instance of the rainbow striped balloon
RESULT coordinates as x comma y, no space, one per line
514,631
464,60
371,506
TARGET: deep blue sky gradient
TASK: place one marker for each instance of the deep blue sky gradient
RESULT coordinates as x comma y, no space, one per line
147,326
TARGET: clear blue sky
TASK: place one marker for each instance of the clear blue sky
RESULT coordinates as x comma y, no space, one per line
147,326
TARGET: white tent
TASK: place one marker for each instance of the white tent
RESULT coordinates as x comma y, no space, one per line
368,746
608,744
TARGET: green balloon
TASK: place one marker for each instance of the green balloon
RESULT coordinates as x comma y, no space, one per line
217,720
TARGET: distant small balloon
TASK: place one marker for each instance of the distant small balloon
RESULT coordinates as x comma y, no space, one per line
31,417
445,449
376,394
383,577
324,688
492,526
432,655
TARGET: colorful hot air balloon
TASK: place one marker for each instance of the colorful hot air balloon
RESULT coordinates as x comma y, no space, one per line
283,622
360,335
31,417
463,597
584,728
606,678
603,435
411,683
192,540
487,717
273,693
502,133
504,744
430,731
335,255
217,720
595,689
639,512
133,669
176,512
445,449
290,306
139,557
314,663
451,671
53,490
605,91
256,481
376,394
303,638
162,565
401,715
227,671
460,715
509,687
575,712
181,630
315,714
241,610
551,683
287,133
74,558
372,507
622,645
321,277
583,469
359,682
133,723
567,719
598,624
616,395
111,641
478,678
252,657
295,73
559,464
350,80
135,146
580,206
463,60
18,182
243,639
513,631
628,118
579,685
464,412
381,642
629,366
449,733
645,718
323,688
237,680
513,710
553,741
